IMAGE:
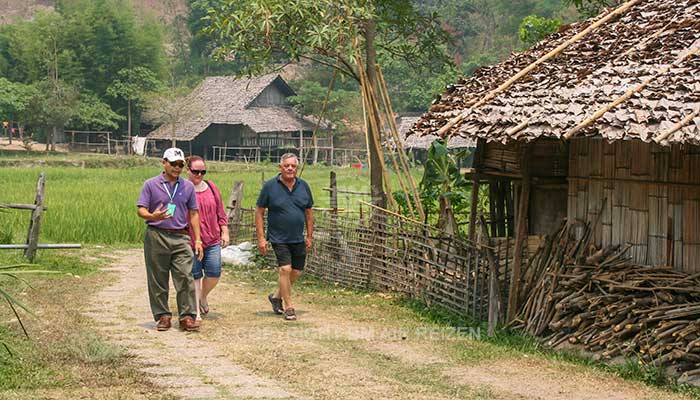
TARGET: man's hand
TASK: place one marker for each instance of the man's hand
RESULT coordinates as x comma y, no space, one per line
198,250
309,242
159,213
262,246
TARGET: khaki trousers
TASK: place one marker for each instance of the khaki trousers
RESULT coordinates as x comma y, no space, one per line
169,254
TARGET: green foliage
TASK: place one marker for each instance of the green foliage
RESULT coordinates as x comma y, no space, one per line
591,8
343,107
261,33
534,28
92,113
199,61
52,105
133,83
441,178
14,99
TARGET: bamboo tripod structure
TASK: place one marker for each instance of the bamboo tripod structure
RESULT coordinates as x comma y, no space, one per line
379,114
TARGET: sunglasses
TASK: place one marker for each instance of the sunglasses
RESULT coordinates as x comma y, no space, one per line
176,164
199,171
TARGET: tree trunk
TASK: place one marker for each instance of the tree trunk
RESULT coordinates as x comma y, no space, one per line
53,139
376,182
48,140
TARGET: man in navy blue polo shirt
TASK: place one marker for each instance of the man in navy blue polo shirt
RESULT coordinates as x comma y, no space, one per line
288,201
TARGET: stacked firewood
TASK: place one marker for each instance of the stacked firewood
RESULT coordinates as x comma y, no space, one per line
600,299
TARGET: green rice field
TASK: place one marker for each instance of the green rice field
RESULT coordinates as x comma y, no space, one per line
92,199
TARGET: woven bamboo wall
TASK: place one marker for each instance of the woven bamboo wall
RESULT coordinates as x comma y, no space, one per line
652,196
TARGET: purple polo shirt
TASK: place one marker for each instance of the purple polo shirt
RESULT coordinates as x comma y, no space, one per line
154,193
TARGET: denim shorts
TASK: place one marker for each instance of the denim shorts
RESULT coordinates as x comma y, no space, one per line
210,266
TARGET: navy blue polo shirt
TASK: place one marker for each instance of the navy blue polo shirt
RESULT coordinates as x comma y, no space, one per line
285,209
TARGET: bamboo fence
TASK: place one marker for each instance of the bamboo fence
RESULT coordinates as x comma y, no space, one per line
380,250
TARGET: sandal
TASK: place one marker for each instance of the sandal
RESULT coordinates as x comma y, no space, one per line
290,315
276,304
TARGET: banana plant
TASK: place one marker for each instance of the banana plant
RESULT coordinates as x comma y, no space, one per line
442,180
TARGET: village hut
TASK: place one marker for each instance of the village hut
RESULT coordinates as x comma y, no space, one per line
606,130
232,117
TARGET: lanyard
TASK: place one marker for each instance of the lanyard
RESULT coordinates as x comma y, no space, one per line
165,185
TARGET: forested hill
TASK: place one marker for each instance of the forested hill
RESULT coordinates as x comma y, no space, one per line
12,9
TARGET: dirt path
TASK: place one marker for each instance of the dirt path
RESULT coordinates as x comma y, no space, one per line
123,313
345,345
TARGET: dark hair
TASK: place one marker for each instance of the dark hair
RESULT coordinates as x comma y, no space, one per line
189,160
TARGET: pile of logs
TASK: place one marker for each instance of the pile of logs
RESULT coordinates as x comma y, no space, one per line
600,299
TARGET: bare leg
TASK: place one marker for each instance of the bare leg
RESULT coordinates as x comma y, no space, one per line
284,285
207,285
292,274
197,290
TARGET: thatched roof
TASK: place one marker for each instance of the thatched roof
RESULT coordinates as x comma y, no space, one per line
424,142
227,100
619,56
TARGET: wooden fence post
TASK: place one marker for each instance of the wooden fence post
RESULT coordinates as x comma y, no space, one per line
234,208
35,221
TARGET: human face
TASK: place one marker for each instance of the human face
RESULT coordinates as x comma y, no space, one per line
196,165
173,171
288,168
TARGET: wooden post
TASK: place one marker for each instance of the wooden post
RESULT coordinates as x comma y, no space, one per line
234,208
510,220
501,207
332,149
335,234
301,146
475,205
109,146
35,221
493,206
521,234
494,291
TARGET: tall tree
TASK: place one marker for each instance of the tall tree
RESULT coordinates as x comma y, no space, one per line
132,84
51,107
259,33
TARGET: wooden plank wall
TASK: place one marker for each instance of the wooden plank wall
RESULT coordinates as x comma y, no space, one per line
652,198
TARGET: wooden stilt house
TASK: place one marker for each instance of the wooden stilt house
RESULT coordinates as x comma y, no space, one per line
598,123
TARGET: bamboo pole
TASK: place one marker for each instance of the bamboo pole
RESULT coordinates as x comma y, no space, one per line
675,128
368,98
492,94
694,49
402,153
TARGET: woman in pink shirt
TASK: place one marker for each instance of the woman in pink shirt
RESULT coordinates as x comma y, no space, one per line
214,233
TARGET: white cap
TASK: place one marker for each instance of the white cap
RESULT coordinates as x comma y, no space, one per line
174,154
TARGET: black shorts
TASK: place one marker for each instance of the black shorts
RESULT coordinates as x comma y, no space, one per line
290,253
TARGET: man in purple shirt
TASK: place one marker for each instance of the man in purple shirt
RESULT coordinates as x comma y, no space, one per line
164,202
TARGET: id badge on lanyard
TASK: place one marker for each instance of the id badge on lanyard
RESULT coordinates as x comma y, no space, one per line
171,206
